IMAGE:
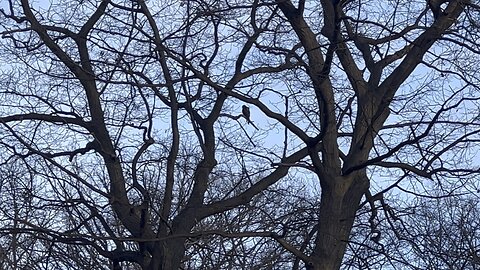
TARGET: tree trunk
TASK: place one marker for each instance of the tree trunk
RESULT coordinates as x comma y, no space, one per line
167,255
338,209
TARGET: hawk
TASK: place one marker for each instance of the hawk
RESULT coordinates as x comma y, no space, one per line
246,114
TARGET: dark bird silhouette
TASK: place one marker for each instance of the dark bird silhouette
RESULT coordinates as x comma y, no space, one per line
246,114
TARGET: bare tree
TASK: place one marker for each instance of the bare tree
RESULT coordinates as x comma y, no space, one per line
427,233
229,135
447,234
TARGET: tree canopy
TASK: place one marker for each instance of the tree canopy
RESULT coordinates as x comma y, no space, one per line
211,134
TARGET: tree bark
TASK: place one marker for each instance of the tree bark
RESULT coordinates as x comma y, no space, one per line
338,206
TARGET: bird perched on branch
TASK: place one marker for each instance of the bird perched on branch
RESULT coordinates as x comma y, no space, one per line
246,114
